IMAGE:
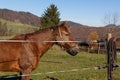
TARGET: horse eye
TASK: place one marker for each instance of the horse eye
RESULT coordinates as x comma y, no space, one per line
66,34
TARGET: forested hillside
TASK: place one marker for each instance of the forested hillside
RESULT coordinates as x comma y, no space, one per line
20,17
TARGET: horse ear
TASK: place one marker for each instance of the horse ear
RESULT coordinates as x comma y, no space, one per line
64,23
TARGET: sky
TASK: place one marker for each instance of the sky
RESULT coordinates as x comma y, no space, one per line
86,12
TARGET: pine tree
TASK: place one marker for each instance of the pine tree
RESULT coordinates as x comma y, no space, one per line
50,17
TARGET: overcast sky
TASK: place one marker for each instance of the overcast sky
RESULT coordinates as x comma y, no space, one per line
87,12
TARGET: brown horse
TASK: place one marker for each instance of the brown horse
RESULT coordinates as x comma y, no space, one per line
24,56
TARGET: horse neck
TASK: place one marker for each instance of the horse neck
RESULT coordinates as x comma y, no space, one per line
43,40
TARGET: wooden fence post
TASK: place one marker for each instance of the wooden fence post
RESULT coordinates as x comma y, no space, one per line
109,63
109,36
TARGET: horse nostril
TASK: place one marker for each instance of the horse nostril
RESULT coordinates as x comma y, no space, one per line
72,52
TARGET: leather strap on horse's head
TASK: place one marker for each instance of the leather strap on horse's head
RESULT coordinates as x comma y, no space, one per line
60,32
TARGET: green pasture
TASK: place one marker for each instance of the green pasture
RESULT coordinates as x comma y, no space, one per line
56,60
18,28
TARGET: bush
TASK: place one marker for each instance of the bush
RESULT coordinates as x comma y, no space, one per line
3,29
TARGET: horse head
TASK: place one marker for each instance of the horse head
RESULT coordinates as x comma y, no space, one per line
64,40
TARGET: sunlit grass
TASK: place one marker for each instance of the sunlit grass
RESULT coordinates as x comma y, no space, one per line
57,60
6,37
18,28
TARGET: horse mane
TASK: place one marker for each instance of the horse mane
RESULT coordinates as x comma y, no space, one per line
24,36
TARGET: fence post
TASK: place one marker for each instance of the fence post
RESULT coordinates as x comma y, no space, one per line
109,63
109,36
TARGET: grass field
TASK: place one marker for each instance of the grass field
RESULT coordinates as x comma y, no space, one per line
57,61
18,28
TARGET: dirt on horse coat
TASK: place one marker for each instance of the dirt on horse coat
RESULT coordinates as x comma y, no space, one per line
23,57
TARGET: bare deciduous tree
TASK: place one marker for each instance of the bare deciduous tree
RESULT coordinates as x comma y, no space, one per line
115,18
111,18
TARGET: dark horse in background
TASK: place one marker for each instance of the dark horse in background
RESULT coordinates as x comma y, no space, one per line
23,57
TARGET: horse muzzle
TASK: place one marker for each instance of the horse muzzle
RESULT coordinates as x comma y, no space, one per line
72,51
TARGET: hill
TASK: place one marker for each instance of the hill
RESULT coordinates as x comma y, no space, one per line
20,17
17,28
81,33
72,24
